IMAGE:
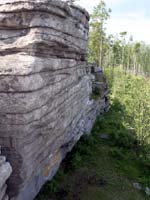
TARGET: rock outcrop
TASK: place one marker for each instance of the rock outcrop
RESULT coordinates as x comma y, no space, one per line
46,86
5,172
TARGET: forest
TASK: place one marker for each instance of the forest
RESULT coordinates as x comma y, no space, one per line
128,65
116,50
113,163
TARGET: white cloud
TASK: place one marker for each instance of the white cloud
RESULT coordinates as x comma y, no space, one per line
135,23
89,4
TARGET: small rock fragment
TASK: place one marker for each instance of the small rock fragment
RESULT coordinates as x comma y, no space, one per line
147,191
104,136
137,186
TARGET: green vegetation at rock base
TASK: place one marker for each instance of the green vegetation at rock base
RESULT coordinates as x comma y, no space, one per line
105,164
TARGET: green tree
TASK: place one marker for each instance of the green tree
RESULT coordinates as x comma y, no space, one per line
113,51
136,56
97,44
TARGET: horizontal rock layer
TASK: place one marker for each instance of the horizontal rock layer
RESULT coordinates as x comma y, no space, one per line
46,88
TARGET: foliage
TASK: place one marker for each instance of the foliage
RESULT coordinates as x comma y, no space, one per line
97,44
118,50
51,187
114,163
134,94
124,157
95,94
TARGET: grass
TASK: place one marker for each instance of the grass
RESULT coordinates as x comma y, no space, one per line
99,169
104,169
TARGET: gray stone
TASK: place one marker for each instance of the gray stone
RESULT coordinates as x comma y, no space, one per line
5,197
137,186
147,191
5,171
104,136
2,160
45,90
3,191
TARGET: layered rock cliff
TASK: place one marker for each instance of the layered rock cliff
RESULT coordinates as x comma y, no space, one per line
46,88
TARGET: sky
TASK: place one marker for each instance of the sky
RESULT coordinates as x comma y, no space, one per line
132,16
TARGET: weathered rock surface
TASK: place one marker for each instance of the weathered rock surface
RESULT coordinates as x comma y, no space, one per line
5,172
45,88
